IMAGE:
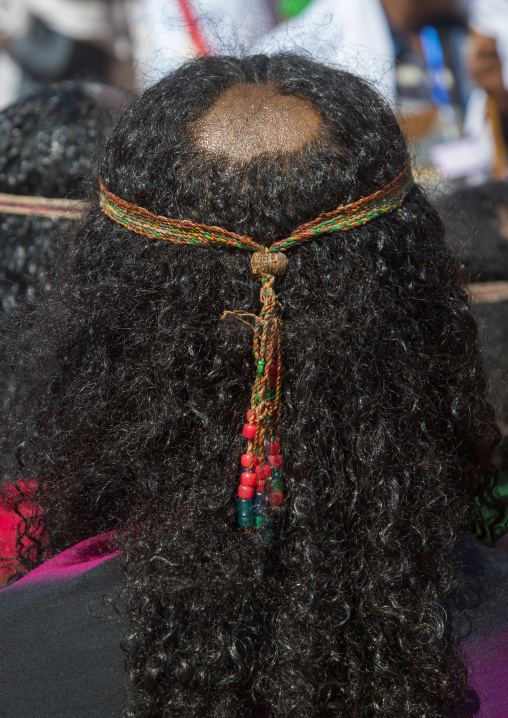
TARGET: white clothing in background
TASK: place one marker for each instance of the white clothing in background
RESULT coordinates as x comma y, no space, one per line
162,40
10,80
14,20
490,18
352,34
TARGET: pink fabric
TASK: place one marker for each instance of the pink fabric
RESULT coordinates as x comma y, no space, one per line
71,562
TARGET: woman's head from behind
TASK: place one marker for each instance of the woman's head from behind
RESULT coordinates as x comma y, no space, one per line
387,435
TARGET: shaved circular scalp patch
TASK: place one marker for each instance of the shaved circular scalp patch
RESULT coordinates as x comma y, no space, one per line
249,120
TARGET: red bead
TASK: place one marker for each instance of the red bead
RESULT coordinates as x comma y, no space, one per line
246,459
274,447
263,472
248,478
275,460
245,492
249,415
273,370
276,498
260,486
249,431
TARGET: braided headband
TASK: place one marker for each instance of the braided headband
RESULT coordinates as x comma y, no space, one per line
141,221
42,207
261,490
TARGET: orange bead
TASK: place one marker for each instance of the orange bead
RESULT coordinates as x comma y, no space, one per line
245,492
275,460
276,498
249,431
248,478
263,472
246,461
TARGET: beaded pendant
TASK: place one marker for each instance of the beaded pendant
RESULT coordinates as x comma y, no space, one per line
261,490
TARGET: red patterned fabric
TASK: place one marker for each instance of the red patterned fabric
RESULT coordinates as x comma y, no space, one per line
16,504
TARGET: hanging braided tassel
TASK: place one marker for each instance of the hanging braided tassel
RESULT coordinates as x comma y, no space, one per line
261,491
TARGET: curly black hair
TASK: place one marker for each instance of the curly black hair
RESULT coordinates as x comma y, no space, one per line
135,394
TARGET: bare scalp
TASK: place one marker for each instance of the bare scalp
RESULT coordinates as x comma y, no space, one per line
250,120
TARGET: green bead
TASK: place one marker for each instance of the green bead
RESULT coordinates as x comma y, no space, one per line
258,521
245,515
277,486
245,505
245,521
268,530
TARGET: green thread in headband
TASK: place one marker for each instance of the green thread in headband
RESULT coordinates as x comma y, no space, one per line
141,221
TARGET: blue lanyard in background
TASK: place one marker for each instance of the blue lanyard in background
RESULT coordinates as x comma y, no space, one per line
435,61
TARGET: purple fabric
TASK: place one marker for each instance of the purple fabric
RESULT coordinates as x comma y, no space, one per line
71,562
487,661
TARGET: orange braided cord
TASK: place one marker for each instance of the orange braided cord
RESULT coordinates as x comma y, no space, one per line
143,222
266,349
355,214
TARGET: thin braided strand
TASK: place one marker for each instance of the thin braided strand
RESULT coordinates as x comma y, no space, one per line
42,207
141,221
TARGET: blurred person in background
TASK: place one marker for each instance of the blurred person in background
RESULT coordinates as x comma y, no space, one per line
488,64
476,220
48,147
54,40
166,33
365,36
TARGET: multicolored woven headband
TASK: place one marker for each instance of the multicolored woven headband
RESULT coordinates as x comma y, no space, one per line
261,490
42,207
179,231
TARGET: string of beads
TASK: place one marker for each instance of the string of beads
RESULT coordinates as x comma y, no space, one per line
261,489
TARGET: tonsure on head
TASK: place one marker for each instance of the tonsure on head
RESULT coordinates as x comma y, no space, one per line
385,433
249,120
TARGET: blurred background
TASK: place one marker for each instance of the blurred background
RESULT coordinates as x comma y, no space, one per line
441,64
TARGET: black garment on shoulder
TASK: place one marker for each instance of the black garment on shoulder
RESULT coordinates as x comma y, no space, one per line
60,654
60,643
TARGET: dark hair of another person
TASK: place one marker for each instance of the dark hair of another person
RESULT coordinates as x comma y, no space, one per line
48,145
141,393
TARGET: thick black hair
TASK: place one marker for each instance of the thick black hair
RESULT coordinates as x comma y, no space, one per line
136,393
48,143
